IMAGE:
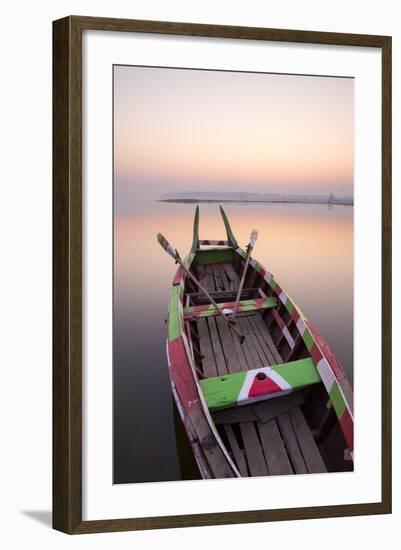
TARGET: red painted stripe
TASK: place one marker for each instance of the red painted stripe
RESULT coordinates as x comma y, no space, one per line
295,315
178,276
316,354
347,426
262,272
278,290
327,352
182,376
263,387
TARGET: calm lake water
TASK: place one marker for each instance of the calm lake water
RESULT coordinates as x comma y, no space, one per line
308,248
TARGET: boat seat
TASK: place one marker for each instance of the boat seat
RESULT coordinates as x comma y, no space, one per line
208,310
244,387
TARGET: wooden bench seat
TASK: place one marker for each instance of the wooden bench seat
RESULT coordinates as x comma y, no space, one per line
208,310
231,390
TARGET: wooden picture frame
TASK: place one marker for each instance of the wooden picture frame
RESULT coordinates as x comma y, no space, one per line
67,273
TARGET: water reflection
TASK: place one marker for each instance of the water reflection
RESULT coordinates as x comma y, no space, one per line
309,249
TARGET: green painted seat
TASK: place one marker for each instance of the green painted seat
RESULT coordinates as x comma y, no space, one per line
244,387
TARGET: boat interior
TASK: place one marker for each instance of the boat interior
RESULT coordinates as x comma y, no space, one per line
296,433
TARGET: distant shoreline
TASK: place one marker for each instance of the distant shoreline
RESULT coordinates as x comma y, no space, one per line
238,201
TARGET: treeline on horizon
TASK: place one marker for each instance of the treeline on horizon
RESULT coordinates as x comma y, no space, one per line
212,196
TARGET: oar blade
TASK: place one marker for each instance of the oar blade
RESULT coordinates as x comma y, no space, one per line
166,245
253,238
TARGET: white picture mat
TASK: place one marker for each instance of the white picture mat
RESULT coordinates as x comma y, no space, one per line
102,499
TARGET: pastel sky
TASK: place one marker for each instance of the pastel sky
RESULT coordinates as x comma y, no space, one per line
185,129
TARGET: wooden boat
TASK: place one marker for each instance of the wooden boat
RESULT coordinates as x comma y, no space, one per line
279,403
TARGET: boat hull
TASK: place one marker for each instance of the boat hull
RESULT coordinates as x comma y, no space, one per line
326,406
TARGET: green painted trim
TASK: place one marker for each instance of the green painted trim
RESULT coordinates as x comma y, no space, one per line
299,373
308,339
174,322
272,283
230,235
289,305
214,256
222,391
337,400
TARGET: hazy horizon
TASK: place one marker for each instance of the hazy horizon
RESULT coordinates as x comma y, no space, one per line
178,130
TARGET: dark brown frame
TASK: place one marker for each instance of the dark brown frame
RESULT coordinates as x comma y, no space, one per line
67,277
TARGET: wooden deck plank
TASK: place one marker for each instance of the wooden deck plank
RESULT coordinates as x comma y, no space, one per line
226,339
258,330
237,452
251,355
268,339
248,362
291,442
240,352
274,449
262,411
307,444
235,415
209,282
216,345
232,275
264,357
224,278
217,279
272,408
242,362
253,450
208,361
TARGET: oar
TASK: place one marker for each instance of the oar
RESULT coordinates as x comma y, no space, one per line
175,255
251,246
